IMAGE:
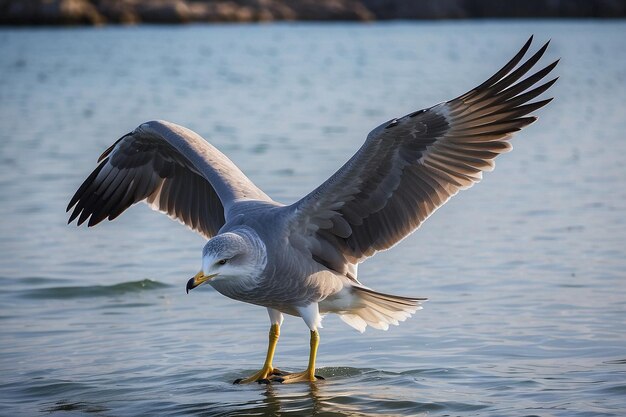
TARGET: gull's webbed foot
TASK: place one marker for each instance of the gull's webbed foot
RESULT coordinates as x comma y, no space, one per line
305,376
264,376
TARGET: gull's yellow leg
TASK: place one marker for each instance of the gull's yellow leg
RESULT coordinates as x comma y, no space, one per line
268,369
309,374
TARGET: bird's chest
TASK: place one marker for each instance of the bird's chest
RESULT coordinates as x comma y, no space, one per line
237,288
282,289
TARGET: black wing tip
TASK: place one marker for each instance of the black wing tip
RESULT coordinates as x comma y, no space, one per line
550,83
520,54
77,196
540,104
541,74
536,105
509,67
537,55
83,214
553,65
529,42
524,67
526,120
93,221
74,214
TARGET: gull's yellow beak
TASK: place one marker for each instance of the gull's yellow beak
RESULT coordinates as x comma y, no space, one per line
197,280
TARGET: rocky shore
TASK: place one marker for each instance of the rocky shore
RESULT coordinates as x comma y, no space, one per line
99,12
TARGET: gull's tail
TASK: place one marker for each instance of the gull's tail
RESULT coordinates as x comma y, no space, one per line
379,310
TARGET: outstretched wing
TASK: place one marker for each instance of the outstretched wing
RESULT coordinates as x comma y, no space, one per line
171,168
410,166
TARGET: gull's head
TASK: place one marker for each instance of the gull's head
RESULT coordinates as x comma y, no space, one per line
234,258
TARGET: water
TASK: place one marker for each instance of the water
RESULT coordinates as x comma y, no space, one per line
525,272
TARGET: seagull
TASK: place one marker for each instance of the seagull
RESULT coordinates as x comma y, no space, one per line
301,259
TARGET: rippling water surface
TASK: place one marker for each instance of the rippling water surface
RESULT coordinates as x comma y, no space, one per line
525,272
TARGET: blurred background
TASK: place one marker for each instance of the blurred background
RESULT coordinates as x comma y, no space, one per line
96,12
525,272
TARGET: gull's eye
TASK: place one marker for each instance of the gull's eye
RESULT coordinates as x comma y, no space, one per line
222,261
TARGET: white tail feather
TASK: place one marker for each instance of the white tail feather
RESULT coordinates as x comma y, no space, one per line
379,310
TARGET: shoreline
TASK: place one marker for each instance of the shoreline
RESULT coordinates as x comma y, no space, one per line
132,12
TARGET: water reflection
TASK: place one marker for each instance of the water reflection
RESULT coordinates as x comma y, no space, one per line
300,400
525,272
307,399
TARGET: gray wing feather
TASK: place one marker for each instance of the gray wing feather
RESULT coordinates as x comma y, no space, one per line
171,168
409,167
